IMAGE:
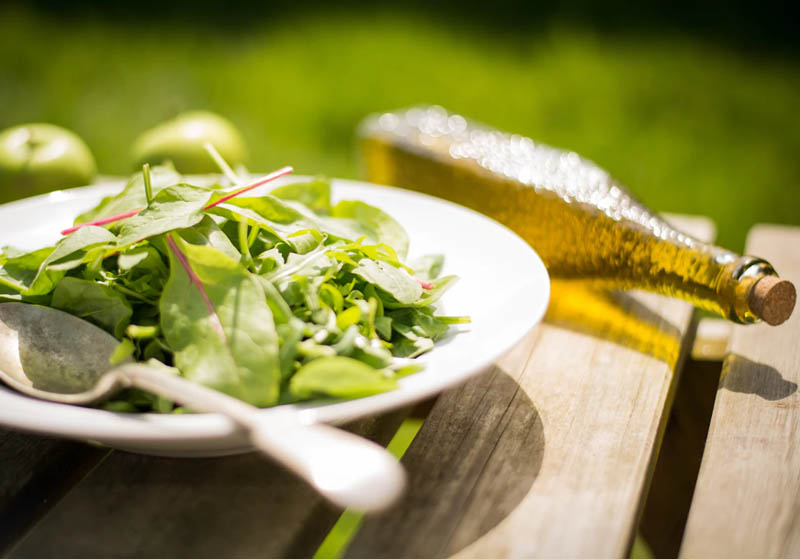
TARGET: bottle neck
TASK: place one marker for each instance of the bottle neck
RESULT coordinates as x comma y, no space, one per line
737,283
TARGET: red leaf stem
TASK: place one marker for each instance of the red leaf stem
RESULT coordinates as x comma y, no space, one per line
103,221
271,177
106,220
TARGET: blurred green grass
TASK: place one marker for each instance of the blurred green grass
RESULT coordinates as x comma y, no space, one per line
689,126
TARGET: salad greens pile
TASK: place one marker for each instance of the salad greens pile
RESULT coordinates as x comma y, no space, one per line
272,299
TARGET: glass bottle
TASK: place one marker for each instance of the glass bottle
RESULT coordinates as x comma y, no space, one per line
583,224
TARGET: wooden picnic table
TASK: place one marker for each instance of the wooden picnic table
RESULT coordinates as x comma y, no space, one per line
589,432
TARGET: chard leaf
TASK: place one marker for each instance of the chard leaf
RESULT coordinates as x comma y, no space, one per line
386,229
395,281
339,377
175,207
99,304
242,360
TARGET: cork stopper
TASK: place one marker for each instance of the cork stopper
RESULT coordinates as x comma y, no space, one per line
772,299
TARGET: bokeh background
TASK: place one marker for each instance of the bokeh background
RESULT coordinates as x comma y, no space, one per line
693,106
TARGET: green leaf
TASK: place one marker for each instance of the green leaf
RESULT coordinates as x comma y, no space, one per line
19,272
284,219
123,351
339,377
440,286
9,295
37,272
348,317
72,250
132,196
396,282
141,260
99,304
315,195
242,360
208,233
175,207
411,347
420,321
291,333
281,310
386,228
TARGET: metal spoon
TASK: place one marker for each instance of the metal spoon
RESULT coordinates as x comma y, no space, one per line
55,356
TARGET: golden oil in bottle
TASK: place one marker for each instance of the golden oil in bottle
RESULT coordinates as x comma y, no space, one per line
583,224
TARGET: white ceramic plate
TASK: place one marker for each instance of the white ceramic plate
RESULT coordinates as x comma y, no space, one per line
503,287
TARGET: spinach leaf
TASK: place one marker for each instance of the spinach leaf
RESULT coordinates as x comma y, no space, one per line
175,207
97,303
132,196
386,229
412,346
438,288
37,272
420,321
207,232
340,377
220,329
396,282
315,195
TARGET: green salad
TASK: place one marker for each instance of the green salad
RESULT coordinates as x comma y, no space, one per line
272,299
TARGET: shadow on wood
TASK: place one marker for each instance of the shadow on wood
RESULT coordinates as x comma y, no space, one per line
233,507
748,377
486,435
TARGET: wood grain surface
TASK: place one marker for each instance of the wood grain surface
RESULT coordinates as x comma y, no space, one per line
549,454
747,499
231,507
35,472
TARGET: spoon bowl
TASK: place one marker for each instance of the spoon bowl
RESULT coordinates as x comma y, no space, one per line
52,355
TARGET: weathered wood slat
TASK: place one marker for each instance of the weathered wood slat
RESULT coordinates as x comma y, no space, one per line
34,473
747,499
238,506
549,454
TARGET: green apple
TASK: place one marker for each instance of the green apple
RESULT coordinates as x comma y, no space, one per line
181,141
37,158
